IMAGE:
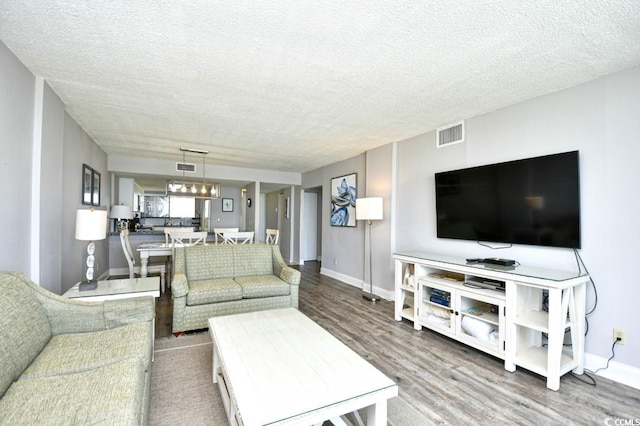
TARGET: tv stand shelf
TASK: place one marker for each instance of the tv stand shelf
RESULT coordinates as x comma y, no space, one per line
440,292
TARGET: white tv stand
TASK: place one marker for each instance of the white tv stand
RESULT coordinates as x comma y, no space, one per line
432,290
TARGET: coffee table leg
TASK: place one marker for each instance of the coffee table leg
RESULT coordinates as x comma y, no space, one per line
377,414
216,365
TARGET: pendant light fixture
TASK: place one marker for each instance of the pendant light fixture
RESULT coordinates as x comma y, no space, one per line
190,189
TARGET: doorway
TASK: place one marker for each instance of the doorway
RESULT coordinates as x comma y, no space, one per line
311,225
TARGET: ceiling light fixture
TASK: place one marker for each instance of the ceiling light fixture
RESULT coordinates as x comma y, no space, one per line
190,189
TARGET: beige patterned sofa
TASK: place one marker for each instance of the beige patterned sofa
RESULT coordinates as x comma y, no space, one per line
65,362
221,279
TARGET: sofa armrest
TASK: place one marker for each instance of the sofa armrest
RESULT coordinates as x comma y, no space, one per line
179,285
78,316
128,311
281,270
290,275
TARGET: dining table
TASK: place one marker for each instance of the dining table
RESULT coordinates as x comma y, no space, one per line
148,250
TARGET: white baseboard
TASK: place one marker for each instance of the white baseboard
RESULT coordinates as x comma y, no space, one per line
121,271
617,372
385,294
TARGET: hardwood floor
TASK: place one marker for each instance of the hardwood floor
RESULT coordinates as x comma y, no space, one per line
446,381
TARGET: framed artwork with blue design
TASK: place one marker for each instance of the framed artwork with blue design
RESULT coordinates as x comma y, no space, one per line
343,200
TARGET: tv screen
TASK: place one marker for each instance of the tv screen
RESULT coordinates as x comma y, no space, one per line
535,201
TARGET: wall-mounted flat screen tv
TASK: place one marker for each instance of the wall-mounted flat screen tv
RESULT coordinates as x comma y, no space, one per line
535,201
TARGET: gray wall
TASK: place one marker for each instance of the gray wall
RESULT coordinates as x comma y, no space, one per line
271,213
599,118
51,184
80,149
16,133
56,262
379,178
342,247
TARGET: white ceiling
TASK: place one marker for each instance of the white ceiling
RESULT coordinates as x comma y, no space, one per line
294,85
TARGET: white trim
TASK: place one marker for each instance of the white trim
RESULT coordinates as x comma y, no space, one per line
617,371
394,191
36,170
354,282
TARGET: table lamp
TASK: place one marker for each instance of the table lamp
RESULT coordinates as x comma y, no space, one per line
91,225
121,214
369,209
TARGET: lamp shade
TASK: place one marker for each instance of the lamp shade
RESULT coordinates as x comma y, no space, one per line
91,225
121,212
369,208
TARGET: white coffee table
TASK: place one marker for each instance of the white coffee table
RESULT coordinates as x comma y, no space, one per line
117,289
280,367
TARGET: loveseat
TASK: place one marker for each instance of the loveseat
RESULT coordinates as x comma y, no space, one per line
65,362
222,279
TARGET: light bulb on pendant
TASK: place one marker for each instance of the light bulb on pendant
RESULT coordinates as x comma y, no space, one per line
193,189
184,188
203,190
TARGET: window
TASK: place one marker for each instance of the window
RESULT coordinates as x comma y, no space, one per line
182,207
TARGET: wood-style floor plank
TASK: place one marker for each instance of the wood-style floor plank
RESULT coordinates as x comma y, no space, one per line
442,379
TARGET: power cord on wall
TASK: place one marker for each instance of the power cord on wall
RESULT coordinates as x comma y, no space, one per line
586,372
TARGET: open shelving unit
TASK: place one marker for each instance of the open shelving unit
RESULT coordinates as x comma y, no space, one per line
509,321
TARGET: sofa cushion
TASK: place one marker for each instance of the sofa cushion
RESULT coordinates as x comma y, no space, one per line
24,328
203,292
204,262
112,394
253,259
74,353
262,286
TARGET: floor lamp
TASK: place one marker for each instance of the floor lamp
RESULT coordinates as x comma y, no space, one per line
369,209
91,225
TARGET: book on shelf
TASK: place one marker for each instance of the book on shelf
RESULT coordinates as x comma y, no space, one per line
441,293
440,300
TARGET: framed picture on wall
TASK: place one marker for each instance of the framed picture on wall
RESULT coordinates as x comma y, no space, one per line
286,208
227,204
343,200
95,188
87,188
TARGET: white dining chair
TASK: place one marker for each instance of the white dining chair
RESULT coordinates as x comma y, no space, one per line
184,239
171,230
273,235
238,237
218,233
131,260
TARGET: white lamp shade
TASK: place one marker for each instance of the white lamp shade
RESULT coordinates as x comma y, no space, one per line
121,212
369,208
91,225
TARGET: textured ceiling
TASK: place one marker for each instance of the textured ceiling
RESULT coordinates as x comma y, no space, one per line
294,85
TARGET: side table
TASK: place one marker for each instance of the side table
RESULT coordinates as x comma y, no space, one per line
117,289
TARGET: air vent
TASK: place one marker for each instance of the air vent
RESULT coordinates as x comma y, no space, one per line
450,134
186,167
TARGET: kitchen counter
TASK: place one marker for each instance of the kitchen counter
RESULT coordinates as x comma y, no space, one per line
145,232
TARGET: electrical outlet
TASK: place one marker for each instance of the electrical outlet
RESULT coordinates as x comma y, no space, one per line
618,333
335,260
